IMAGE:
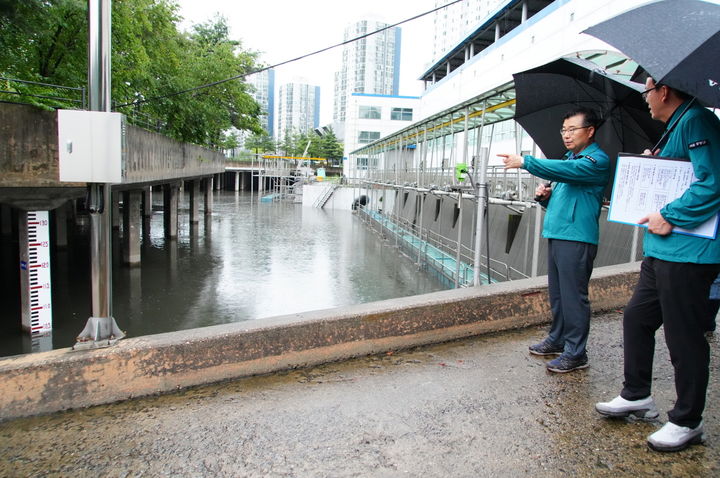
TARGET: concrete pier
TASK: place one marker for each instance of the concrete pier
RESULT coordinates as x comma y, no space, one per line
170,209
5,220
147,201
132,217
60,221
195,201
208,185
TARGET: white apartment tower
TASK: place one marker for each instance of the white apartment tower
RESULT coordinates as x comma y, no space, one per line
298,109
263,84
370,65
454,23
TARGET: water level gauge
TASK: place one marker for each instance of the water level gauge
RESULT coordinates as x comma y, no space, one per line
35,273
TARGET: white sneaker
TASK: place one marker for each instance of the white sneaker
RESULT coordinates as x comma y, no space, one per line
619,407
672,437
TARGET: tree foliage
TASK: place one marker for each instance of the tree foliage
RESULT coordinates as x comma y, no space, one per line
46,41
260,143
326,146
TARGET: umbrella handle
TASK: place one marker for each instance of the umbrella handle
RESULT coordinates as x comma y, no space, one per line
539,198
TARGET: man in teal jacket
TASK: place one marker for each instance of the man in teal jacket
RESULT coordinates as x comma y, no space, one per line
571,227
675,278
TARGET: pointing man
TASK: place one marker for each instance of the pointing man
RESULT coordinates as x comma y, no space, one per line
571,227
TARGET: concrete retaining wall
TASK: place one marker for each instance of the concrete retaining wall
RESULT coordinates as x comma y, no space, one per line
63,379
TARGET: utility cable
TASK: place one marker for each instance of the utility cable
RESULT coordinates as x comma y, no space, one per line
215,83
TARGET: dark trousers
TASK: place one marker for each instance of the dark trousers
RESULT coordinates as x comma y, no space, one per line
676,296
570,265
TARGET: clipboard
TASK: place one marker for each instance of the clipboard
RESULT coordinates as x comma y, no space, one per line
644,184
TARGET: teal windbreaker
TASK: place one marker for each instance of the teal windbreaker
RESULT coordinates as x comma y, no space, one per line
695,137
573,209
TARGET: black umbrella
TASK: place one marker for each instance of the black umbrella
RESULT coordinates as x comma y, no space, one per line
676,41
544,94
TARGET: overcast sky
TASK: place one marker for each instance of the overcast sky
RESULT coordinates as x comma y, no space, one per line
286,29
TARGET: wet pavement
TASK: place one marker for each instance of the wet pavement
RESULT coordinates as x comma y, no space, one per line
475,407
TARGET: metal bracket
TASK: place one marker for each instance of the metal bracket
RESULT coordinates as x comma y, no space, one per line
98,332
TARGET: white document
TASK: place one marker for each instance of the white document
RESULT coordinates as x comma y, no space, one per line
644,184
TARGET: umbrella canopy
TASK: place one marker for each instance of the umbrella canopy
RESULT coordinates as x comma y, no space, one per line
544,94
677,42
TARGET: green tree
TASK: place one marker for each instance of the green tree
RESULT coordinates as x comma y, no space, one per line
40,42
46,41
207,56
331,148
288,144
260,143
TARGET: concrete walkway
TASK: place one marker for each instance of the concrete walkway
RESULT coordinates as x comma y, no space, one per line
476,407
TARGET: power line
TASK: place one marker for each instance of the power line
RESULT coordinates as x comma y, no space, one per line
215,83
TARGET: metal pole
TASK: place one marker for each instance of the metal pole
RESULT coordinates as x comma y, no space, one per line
424,157
417,153
459,240
398,199
536,241
395,163
100,329
442,158
421,195
481,201
518,150
465,137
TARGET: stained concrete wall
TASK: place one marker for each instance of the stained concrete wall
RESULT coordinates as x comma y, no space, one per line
28,146
514,251
29,159
63,379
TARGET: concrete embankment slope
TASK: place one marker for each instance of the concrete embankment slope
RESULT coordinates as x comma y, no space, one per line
63,379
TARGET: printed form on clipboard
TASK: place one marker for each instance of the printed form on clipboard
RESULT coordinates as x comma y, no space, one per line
644,184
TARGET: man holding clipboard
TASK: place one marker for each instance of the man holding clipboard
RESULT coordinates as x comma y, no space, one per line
675,278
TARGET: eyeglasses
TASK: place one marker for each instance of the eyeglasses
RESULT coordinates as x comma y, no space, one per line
563,132
647,92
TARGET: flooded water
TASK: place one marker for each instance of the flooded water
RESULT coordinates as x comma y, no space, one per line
247,261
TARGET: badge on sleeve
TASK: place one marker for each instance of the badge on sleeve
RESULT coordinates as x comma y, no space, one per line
697,144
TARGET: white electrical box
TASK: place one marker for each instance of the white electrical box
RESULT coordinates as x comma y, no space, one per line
90,146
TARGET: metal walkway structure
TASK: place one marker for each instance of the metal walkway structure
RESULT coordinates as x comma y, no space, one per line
442,161
428,255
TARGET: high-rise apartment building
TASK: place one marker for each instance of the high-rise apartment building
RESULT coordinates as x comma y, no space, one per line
264,93
453,23
370,65
298,109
